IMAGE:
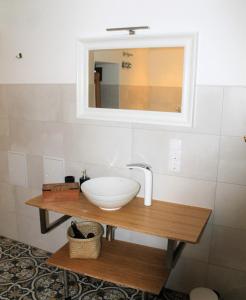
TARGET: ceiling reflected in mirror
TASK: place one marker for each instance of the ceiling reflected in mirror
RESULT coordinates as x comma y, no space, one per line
147,79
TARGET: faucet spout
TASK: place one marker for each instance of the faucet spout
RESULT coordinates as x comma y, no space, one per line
148,180
139,166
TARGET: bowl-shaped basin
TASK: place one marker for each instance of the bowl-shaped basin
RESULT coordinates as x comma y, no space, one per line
110,193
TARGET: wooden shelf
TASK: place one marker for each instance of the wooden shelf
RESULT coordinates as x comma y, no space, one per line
132,265
163,219
122,263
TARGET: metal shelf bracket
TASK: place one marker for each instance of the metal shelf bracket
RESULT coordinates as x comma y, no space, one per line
174,250
45,225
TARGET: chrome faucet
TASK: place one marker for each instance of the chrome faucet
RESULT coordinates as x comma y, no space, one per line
148,179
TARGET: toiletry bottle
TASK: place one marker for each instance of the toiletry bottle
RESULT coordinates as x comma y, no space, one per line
83,179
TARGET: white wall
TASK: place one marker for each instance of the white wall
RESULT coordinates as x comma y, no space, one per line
45,32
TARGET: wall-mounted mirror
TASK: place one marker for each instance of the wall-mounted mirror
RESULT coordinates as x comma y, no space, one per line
140,78
137,79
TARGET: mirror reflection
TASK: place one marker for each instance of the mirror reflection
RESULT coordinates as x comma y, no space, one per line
138,78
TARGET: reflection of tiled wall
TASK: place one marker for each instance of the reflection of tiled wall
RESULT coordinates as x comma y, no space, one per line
134,97
39,120
109,96
165,98
155,98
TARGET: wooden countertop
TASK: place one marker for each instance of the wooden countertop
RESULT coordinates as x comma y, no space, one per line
164,219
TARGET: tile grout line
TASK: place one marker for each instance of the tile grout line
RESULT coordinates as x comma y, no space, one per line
131,126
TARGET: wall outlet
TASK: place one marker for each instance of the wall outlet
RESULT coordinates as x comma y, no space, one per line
175,152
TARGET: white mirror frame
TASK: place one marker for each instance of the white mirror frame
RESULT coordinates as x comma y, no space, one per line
184,118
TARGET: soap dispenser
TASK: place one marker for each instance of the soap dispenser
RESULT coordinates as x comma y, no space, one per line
83,178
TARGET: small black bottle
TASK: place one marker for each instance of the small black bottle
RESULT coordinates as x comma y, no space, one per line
83,179
77,234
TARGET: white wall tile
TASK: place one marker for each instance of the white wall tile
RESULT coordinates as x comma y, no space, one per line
4,143
4,170
230,205
74,168
208,109
140,238
17,168
57,238
187,275
226,281
74,145
4,127
54,169
94,170
234,111
4,133
53,216
228,248
8,225
138,175
199,154
29,232
181,190
26,136
53,139
35,171
22,194
98,144
232,164
3,102
201,250
7,198
68,103
37,138
39,102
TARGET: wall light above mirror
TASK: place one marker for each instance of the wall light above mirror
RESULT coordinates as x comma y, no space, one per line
137,79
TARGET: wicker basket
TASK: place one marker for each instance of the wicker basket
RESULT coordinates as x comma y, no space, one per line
85,248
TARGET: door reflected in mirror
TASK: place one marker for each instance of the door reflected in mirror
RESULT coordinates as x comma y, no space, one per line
148,79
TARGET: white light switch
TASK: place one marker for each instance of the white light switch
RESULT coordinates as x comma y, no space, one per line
17,168
54,170
175,152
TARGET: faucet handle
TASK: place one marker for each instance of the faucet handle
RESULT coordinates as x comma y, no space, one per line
148,180
139,165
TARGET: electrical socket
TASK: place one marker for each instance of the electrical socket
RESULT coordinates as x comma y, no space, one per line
175,152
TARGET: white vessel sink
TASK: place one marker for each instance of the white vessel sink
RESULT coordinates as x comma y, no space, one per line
110,193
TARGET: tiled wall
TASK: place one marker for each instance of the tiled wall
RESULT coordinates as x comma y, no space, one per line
39,120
